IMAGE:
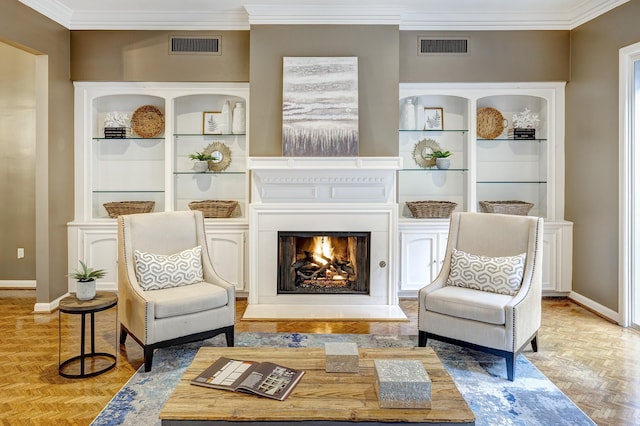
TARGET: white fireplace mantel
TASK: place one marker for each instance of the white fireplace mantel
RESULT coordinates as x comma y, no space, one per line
323,194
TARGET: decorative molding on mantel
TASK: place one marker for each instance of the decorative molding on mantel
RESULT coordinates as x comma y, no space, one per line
324,163
443,15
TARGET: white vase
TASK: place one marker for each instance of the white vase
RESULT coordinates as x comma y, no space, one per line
86,290
408,116
225,118
419,115
443,163
201,166
238,124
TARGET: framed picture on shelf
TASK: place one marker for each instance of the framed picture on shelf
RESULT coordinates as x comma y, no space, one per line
433,118
212,123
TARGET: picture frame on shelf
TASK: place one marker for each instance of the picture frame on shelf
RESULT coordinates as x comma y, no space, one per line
212,123
433,118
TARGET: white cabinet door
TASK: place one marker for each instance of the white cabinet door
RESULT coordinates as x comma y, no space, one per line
422,254
557,258
98,248
226,250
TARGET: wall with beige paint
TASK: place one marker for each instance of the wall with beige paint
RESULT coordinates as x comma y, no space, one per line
145,56
493,56
376,48
592,150
26,29
17,163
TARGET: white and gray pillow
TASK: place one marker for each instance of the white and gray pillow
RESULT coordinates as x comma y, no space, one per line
158,271
502,275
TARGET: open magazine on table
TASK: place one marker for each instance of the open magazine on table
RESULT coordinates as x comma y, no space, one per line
260,378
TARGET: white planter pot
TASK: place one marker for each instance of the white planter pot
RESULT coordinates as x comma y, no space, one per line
443,163
201,166
86,290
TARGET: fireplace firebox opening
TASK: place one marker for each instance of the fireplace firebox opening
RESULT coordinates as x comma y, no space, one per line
323,262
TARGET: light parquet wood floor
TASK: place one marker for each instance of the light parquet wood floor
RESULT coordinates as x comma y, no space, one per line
594,362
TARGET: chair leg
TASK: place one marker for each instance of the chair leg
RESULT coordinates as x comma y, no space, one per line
511,365
148,358
229,334
534,343
123,334
422,338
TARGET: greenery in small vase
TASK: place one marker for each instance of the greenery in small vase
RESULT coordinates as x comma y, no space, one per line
87,274
201,156
440,154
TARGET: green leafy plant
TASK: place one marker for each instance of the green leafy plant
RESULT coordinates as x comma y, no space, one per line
87,274
440,154
201,156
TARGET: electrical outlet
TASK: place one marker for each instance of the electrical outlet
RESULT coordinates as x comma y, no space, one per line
20,252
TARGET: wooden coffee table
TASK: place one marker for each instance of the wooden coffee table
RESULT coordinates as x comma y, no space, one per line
320,398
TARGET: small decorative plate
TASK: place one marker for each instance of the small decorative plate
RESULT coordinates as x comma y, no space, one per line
422,150
490,123
221,156
147,121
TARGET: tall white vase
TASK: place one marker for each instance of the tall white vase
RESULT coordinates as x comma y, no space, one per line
239,124
408,115
225,118
419,116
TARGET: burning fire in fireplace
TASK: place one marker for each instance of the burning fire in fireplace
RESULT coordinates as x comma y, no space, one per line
327,262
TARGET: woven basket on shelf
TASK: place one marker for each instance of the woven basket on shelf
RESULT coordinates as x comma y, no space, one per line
429,208
214,208
118,208
516,207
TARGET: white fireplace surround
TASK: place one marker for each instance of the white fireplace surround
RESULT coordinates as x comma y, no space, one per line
310,194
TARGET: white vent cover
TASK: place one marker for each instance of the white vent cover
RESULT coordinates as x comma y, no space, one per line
190,45
443,46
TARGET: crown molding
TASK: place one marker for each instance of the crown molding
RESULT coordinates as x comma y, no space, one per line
592,9
441,16
52,9
321,14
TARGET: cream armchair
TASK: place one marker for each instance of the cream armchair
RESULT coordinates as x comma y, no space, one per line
180,303
475,315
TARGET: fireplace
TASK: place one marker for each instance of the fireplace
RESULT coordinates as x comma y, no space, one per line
323,262
295,200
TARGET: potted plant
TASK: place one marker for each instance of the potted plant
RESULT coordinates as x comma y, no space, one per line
201,161
442,159
86,281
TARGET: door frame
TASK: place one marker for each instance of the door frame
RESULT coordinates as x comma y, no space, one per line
629,191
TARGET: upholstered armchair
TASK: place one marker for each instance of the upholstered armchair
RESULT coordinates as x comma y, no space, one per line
168,291
488,294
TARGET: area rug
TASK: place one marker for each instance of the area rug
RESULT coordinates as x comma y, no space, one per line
481,378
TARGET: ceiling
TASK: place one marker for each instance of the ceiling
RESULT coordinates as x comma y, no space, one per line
240,14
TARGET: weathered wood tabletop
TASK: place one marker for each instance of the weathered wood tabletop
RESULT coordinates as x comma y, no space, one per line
319,398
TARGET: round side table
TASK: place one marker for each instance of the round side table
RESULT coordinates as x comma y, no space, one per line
72,305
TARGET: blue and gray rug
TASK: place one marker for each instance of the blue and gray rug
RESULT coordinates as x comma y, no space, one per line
481,378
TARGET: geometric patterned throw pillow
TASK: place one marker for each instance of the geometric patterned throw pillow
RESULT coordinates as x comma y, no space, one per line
501,275
158,271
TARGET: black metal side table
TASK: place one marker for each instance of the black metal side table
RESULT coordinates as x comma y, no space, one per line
72,305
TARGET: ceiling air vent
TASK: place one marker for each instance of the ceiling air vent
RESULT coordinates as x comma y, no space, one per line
204,45
440,46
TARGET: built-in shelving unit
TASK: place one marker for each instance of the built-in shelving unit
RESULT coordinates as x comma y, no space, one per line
158,168
484,169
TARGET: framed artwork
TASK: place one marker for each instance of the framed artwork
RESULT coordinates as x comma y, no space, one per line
211,123
433,118
320,106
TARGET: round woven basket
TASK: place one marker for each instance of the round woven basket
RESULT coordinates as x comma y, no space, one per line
490,123
147,121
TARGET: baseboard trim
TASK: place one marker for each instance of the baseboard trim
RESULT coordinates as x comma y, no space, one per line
7,284
47,308
595,307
